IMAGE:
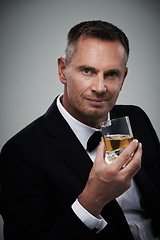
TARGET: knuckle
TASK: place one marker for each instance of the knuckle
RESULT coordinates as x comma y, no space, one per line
124,182
113,171
121,180
139,165
138,162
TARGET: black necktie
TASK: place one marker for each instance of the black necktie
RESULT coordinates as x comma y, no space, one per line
94,140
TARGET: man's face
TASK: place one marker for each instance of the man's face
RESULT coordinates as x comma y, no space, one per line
93,79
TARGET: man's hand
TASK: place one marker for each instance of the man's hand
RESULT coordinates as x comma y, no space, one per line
108,181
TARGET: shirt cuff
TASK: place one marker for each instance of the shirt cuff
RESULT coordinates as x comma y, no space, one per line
88,219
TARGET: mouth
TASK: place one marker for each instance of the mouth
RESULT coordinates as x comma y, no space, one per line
96,101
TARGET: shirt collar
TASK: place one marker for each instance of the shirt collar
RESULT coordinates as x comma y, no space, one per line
81,130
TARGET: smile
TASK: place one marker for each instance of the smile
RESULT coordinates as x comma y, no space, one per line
96,102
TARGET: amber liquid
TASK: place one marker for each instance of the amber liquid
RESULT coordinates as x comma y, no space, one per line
115,145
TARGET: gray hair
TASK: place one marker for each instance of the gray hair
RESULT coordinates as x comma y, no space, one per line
96,29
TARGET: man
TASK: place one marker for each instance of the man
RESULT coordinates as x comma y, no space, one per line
52,186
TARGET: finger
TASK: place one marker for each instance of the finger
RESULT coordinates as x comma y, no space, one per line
126,153
133,167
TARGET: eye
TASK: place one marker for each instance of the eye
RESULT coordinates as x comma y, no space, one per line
86,71
111,74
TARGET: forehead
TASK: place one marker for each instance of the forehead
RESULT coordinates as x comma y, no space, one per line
93,49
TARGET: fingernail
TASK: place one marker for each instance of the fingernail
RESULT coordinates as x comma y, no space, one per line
135,140
140,144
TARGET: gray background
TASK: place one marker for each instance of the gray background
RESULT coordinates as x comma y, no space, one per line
33,34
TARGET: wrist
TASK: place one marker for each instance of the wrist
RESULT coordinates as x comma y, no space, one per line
88,219
93,206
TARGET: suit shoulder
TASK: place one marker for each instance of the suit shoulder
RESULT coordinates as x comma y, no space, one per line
125,110
28,132
137,117
128,107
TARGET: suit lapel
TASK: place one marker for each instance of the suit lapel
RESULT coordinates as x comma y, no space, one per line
74,154
117,226
148,191
147,179
66,143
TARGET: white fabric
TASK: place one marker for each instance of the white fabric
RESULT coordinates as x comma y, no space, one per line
88,219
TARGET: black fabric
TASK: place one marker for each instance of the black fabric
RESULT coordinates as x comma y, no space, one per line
94,140
44,168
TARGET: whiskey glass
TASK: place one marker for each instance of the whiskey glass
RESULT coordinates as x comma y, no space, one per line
117,135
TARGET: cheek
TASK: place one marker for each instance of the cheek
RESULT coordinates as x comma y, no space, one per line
73,90
113,88
76,85
113,91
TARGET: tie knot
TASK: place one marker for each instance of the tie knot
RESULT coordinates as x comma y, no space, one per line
94,140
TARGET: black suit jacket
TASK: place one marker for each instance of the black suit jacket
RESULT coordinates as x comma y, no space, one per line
44,168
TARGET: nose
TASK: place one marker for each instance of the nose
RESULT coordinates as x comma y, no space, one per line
98,84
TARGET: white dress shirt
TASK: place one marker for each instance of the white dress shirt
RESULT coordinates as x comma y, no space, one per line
129,200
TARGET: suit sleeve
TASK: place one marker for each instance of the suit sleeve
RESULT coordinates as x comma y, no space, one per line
30,203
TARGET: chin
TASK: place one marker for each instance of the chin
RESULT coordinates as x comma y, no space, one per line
98,115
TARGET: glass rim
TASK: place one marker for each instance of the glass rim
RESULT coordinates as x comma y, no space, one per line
107,123
114,119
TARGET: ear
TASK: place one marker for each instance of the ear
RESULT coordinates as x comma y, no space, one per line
62,69
126,72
